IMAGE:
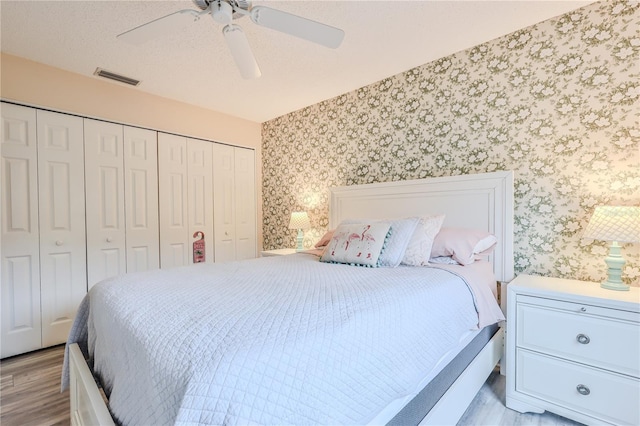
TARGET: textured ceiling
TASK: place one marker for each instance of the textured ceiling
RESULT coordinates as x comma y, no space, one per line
194,65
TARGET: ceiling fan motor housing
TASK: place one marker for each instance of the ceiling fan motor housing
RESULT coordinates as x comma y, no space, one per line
235,5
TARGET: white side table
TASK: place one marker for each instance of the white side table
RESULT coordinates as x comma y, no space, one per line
573,349
278,252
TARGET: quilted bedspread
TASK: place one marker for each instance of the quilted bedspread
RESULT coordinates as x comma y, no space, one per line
277,340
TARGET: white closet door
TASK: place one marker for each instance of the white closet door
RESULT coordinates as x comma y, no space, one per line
200,194
104,166
63,273
224,207
172,172
21,321
141,199
245,192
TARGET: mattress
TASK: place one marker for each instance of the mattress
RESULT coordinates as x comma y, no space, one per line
285,340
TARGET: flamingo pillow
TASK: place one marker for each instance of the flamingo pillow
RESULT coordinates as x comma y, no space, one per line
357,244
398,239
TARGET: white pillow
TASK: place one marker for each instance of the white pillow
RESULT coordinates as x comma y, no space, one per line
357,244
397,241
418,251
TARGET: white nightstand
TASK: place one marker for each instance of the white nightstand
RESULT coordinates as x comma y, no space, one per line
278,252
573,349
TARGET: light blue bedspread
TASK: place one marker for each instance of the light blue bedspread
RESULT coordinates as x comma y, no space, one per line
277,340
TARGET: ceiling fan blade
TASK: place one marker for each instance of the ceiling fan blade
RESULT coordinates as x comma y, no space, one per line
297,26
241,51
160,26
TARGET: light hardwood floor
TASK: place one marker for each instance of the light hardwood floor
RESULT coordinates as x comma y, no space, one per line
488,409
30,396
30,389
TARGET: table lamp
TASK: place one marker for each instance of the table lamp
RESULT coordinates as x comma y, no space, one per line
615,224
299,221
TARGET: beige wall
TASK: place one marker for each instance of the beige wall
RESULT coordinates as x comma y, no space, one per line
35,84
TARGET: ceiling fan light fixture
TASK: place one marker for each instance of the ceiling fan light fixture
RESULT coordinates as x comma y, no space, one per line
241,52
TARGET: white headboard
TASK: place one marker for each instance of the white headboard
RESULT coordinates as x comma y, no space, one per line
481,201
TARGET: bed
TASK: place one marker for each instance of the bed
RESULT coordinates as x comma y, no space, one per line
301,344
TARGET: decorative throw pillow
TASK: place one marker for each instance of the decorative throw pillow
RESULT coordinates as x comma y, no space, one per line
325,239
463,244
418,251
397,240
357,244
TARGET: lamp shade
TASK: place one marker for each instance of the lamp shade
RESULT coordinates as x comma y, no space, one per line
614,223
299,220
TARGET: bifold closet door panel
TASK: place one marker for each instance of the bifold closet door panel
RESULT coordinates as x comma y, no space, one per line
245,182
224,205
104,180
20,296
63,273
141,199
200,194
174,228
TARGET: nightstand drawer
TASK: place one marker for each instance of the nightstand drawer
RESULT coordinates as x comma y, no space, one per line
601,337
602,395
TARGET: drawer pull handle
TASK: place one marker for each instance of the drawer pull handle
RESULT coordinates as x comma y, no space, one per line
583,390
583,309
583,338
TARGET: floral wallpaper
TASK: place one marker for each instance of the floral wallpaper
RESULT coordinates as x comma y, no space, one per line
557,102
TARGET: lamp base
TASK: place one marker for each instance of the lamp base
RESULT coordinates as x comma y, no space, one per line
299,240
615,262
614,286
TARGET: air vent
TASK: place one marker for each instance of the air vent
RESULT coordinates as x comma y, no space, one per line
116,77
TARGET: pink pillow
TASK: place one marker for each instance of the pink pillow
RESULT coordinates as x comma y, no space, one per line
464,245
325,239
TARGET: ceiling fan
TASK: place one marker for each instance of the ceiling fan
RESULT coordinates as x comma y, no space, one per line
223,12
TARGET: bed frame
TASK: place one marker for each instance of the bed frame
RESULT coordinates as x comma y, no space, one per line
480,201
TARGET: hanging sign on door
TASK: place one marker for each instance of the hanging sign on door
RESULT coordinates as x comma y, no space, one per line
198,248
